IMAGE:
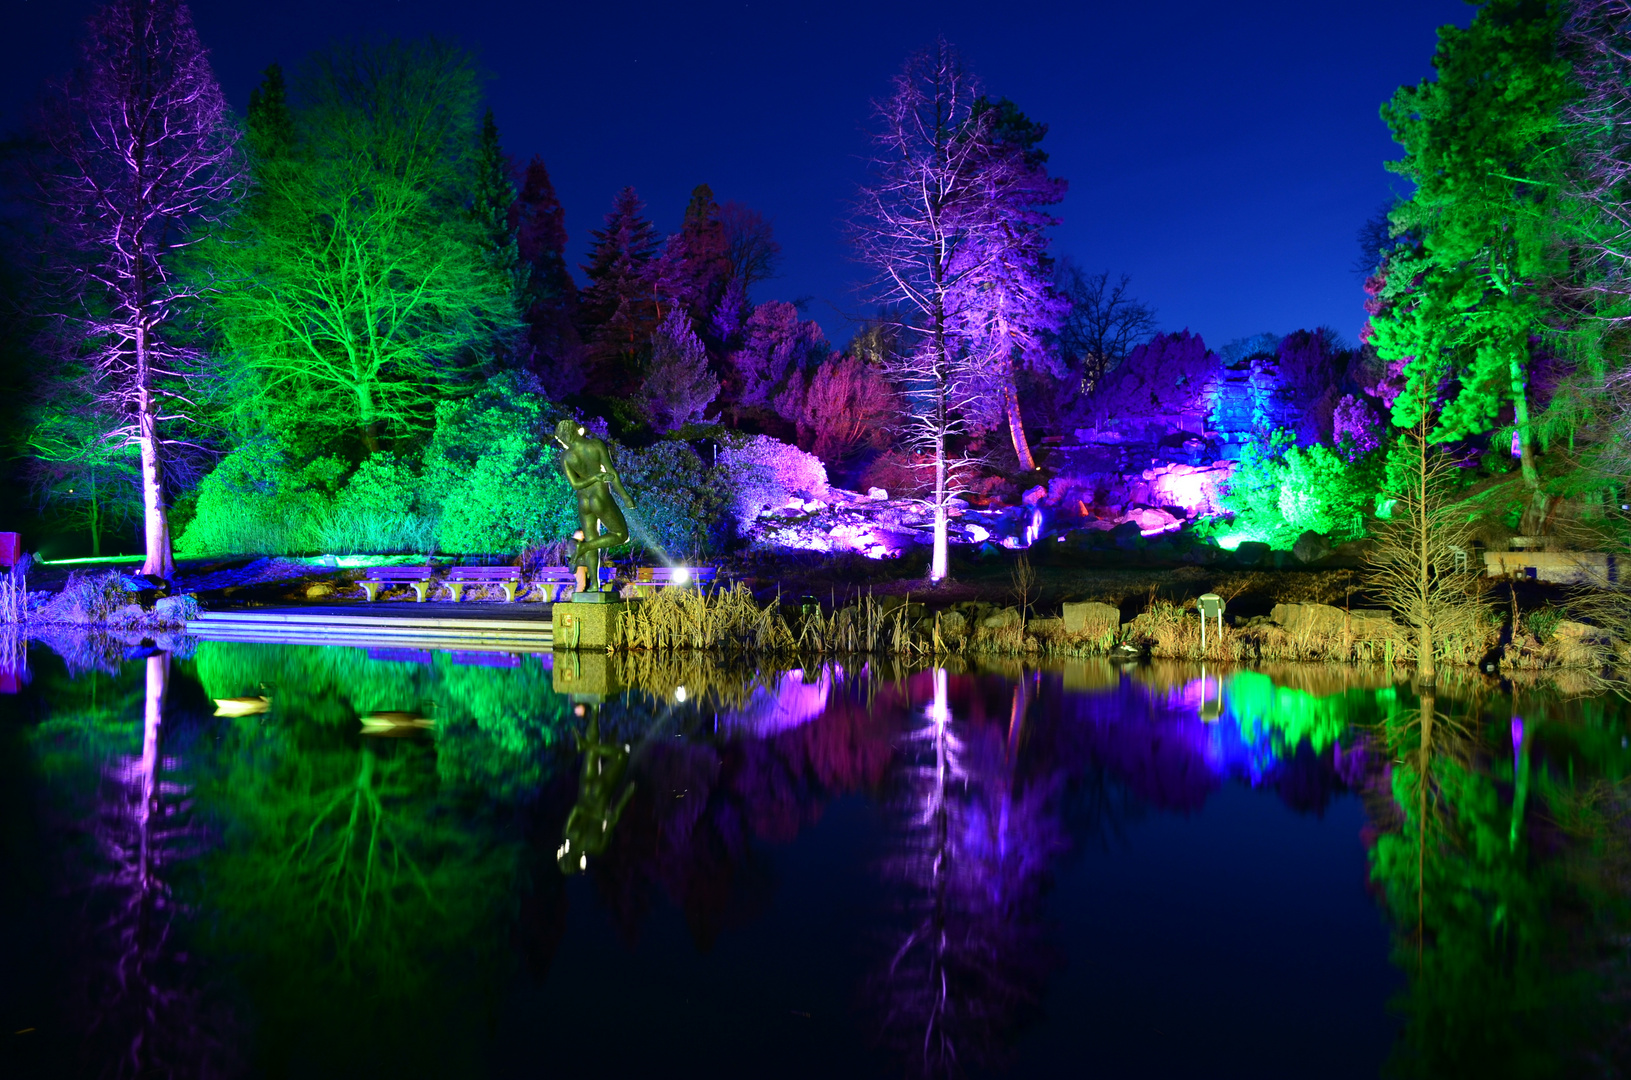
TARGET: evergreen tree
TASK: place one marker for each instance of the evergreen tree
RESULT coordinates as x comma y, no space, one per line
490,204
618,308
1483,146
678,386
695,266
551,299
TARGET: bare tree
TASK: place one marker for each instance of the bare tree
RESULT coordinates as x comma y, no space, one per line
1103,324
920,225
1414,564
750,245
1597,37
142,155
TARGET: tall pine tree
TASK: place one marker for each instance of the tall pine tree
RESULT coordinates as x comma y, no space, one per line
551,298
618,309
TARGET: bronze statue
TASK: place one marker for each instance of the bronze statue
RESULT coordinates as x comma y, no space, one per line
588,468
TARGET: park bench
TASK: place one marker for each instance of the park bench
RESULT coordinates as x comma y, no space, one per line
379,577
558,583
507,578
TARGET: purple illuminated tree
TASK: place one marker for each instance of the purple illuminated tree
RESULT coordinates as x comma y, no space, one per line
694,268
143,156
678,387
1011,309
926,228
768,374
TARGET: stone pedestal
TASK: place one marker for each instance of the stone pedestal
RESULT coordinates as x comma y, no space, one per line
586,676
580,625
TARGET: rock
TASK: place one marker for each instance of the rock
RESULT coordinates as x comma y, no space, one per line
953,627
1091,618
877,493
1252,552
319,590
1311,547
1325,619
1127,534
1151,520
1045,627
176,610
1004,618
1034,495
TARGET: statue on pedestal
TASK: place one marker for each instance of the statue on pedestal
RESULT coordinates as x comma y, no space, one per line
588,468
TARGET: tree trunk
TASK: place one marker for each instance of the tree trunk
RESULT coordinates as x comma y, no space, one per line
1016,428
158,686
160,559
1520,416
368,423
1426,673
96,520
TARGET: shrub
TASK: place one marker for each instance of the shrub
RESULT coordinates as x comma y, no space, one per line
377,511
1320,491
257,500
679,502
764,473
492,475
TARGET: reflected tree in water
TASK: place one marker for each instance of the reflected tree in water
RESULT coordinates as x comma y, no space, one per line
977,841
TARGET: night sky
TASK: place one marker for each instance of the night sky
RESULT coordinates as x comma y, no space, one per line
1223,154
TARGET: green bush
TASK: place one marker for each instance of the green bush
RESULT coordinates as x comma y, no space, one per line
1322,492
257,500
378,511
492,473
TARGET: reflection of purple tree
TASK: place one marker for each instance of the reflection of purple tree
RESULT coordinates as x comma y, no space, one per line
144,1019
976,844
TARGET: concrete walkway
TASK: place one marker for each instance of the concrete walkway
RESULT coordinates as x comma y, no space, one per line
473,625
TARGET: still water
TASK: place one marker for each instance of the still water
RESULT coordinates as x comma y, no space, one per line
299,861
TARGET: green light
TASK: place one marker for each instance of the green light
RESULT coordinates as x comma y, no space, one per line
103,560
1231,541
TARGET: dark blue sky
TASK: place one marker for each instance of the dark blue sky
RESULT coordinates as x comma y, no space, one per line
1224,154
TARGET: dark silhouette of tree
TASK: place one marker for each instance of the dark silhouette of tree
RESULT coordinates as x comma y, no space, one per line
618,308
1103,322
142,158
551,298
750,245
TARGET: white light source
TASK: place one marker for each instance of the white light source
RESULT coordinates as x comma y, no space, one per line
682,575
679,693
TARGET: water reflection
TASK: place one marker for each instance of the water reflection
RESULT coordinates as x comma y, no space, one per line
267,888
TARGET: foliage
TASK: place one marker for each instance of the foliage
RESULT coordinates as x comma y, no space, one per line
619,305
377,511
764,474
1164,377
678,386
1481,145
1252,492
492,475
1322,492
679,502
849,408
258,499
356,294
768,374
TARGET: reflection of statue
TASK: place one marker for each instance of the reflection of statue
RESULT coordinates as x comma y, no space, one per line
588,468
601,798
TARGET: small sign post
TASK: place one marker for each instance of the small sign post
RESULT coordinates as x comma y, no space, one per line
1212,606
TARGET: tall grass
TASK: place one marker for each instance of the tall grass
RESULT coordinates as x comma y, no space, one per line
371,530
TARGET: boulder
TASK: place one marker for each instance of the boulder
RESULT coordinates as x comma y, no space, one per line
176,610
1091,618
1005,618
1127,534
1034,495
877,493
1252,553
319,590
1311,547
1325,619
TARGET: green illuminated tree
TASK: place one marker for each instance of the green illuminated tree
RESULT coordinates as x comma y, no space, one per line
364,283
1483,145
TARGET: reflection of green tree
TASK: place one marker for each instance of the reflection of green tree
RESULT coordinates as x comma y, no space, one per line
499,730
357,902
1483,926
367,885
1291,717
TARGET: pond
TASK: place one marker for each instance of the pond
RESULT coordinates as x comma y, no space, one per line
309,861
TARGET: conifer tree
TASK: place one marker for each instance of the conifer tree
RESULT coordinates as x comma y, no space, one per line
1482,145
551,298
618,308
490,204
